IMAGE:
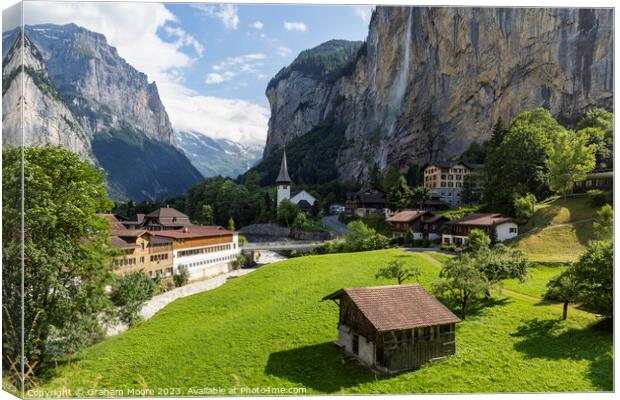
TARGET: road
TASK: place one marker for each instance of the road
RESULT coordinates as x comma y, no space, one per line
334,223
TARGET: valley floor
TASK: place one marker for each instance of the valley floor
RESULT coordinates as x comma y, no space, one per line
270,329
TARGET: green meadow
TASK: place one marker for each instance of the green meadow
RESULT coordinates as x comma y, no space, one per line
270,329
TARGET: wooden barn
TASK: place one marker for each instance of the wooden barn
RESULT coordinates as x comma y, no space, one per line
394,328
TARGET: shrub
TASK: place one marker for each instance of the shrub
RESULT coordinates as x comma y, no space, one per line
181,277
525,206
599,198
448,247
129,293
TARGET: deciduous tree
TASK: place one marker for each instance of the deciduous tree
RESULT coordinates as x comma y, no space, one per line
396,269
67,253
570,159
604,223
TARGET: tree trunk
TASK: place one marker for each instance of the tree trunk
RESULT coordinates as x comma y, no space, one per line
464,310
565,311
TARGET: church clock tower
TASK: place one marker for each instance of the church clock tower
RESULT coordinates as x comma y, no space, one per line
283,181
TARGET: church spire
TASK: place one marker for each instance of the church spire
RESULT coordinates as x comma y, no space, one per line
283,175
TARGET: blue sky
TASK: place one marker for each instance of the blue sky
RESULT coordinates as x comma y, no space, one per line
262,36
211,62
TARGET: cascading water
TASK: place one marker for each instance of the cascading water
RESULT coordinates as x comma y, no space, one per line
399,90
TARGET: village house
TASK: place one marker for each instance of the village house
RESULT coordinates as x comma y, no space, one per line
497,226
421,224
140,250
205,250
366,202
165,218
599,180
394,328
446,180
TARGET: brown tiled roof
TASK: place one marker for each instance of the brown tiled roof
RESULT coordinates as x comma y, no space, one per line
429,219
115,224
406,216
167,212
128,232
119,243
390,308
489,219
194,231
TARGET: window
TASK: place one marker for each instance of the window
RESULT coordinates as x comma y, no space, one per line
356,344
512,230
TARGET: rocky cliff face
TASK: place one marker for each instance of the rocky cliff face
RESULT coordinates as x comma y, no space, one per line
46,118
429,81
80,94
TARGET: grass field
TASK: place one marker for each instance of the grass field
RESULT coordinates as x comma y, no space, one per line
536,284
271,329
559,231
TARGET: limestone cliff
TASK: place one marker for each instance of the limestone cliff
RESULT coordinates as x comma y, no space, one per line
79,93
429,81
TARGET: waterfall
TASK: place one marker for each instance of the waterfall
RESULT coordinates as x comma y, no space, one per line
398,92
401,82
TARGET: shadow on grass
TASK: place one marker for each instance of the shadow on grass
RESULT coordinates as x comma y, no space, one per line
477,307
321,367
555,340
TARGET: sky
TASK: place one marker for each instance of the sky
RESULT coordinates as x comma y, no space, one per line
211,62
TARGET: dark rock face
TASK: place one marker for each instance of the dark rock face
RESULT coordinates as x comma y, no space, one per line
81,95
429,81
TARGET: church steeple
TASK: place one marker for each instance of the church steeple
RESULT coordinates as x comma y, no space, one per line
283,176
283,181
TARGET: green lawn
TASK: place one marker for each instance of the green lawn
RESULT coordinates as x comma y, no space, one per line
536,283
271,329
562,211
556,244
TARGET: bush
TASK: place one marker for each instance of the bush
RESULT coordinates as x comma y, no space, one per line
448,247
599,198
525,207
241,261
181,277
129,293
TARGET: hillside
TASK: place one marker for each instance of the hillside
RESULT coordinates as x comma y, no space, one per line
271,329
559,231
431,80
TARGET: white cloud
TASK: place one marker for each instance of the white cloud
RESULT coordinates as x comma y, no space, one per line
284,51
232,119
256,25
364,12
227,13
295,26
246,63
184,39
132,28
214,77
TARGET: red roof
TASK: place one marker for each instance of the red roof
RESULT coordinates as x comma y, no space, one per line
489,219
398,307
406,216
194,231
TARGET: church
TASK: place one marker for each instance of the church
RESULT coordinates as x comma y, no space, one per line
303,199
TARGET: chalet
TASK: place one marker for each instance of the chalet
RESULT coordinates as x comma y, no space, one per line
140,250
421,224
366,202
446,180
600,180
497,226
165,218
205,250
394,328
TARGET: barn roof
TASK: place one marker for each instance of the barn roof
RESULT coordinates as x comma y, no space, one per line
390,308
